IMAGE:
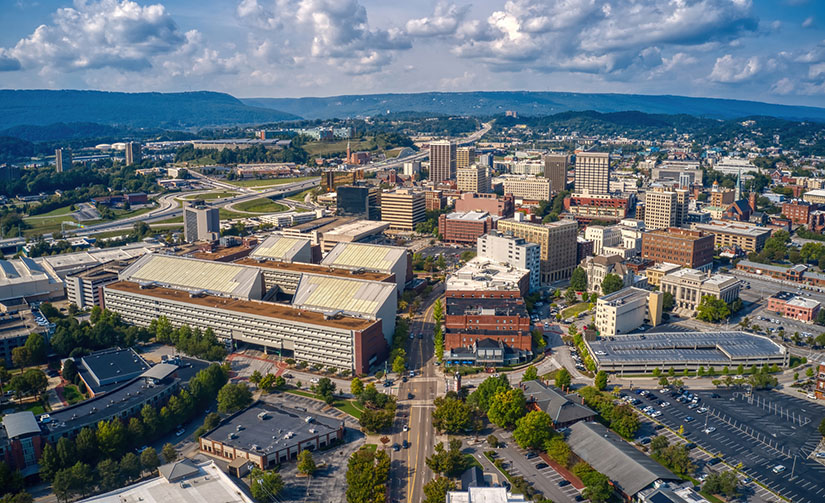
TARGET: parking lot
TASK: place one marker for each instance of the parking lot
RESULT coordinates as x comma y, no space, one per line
772,435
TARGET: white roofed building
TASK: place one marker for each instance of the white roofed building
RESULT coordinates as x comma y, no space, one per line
284,249
371,258
24,278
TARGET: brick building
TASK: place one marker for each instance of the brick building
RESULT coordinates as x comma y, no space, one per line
500,206
820,382
586,208
435,200
793,306
799,212
464,228
692,249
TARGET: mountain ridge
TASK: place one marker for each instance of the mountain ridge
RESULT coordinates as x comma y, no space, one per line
533,103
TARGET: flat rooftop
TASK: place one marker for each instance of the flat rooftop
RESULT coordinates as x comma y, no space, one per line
265,429
469,216
716,347
225,251
356,230
300,267
738,229
322,224
484,274
209,485
676,233
278,247
256,308
803,303
495,306
623,296
365,256
115,364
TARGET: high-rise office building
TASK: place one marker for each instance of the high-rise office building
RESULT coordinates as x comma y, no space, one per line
132,153
558,244
411,168
63,159
592,172
555,169
465,157
358,201
666,208
200,222
532,189
513,251
403,209
485,160
473,178
442,161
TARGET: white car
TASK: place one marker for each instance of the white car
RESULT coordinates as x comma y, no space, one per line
709,430
820,454
778,469
664,404
406,428
656,413
179,432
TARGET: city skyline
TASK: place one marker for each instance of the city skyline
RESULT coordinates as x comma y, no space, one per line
769,51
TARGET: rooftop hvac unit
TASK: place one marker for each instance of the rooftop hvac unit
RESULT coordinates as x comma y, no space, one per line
263,415
309,419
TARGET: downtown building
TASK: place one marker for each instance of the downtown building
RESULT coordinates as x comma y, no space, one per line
465,228
592,173
558,243
746,237
500,206
473,178
692,249
626,310
513,251
529,189
442,161
200,222
403,209
688,286
665,208
555,170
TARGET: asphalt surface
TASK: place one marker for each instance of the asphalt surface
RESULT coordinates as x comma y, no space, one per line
760,433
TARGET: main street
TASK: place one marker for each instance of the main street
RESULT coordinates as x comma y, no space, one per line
409,470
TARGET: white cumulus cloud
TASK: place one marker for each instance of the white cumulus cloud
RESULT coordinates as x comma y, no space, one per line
728,69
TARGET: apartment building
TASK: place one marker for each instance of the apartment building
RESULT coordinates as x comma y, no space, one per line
513,251
442,161
626,310
531,189
748,238
799,212
473,178
688,286
403,209
688,248
555,169
592,173
588,207
557,241
465,157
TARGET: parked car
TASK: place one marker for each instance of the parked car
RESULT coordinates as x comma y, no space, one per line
564,482
541,466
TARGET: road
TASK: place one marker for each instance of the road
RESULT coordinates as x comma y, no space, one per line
409,470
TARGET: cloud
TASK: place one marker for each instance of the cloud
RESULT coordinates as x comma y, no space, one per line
100,34
808,23
728,69
444,21
7,62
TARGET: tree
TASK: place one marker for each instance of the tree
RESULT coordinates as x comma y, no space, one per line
598,488
326,389
399,364
86,444
69,372
267,382
487,390
624,421
451,415
62,485
130,466
533,430
149,460
601,380
531,374
356,387
111,437
49,463
367,474
563,378
449,462
37,347
578,280
436,489
265,485
82,478
135,431
667,301
725,483
507,407
570,295
233,397
611,283
663,381
169,452
306,464
256,377
108,473
558,450
20,356
438,311
712,309
66,453
658,443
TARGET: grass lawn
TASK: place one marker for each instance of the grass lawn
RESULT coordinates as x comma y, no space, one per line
72,394
262,205
225,214
65,210
54,218
575,310
173,220
336,147
300,196
370,447
351,407
210,195
270,181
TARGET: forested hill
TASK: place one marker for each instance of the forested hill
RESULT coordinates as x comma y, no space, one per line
481,103
134,110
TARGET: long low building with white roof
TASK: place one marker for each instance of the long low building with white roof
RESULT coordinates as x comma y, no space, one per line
371,258
23,278
685,350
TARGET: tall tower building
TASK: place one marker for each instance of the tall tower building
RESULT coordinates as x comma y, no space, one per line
132,153
665,208
555,169
558,244
474,178
200,222
442,161
63,159
592,172
465,157
403,209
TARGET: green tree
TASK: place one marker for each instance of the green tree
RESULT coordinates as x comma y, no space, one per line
533,430
712,310
531,374
265,485
37,347
367,474
507,407
438,343
108,472
598,488
399,364
86,444
624,421
130,466
451,415
558,450
149,460
267,382
62,485
563,378
256,377
325,388
82,478
601,380
667,302
663,381
49,463
487,390
449,462
435,491
578,281
169,452
66,453
725,483
233,397
306,464
135,431
111,437
20,357
438,311
356,387
611,283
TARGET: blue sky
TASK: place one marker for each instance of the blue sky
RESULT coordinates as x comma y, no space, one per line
766,50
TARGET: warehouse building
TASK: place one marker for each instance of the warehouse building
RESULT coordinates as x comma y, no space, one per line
283,249
371,258
268,435
23,278
685,350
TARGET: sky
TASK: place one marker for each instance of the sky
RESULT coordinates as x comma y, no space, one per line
764,50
